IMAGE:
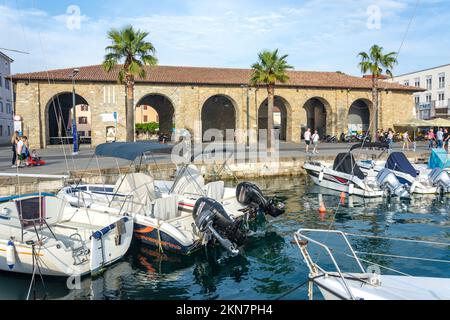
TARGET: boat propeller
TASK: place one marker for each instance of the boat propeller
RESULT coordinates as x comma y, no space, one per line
212,219
249,194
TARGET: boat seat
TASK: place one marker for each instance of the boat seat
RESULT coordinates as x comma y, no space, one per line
215,190
166,208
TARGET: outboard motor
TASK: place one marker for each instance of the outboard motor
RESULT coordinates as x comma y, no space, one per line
389,182
248,194
212,219
440,179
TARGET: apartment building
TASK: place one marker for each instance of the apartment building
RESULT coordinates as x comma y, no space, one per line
434,102
6,100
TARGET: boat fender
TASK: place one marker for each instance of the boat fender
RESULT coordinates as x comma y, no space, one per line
10,255
321,174
351,188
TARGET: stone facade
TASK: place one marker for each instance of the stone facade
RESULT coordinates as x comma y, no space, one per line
33,99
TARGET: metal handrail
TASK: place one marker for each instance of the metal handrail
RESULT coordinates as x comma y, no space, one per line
298,235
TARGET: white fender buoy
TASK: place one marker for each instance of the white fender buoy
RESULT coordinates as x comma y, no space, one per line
351,188
10,255
321,174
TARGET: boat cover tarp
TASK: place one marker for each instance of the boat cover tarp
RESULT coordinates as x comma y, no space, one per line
345,163
374,145
439,159
129,150
397,161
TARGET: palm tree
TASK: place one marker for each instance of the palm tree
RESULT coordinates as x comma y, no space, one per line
129,45
374,62
269,70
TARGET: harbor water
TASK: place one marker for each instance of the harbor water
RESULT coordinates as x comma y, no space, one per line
270,264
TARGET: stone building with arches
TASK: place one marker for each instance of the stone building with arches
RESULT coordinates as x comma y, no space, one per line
198,99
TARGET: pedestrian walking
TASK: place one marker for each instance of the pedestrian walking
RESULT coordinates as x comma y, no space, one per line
446,139
307,138
390,139
315,140
431,138
440,138
14,140
406,140
19,153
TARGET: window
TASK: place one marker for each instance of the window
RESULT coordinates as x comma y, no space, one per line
7,84
8,108
428,98
145,108
1,81
9,131
82,120
145,119
89,133
1,106
417,100
417,82
441,96
1,131
81,133
84,107
406,82
429,82
442,81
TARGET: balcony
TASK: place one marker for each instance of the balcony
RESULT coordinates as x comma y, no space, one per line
440,109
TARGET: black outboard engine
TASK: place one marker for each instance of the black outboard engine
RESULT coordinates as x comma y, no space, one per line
212,219
248,194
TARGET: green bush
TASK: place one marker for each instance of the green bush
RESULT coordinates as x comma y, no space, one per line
151,127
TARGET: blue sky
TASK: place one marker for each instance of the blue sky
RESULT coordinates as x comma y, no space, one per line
322,35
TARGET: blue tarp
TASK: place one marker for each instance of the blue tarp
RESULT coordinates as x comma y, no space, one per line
439,159
397,161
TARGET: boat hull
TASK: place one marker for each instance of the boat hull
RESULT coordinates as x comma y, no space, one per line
335,181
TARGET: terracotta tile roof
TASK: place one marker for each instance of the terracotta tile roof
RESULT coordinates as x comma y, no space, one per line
211,76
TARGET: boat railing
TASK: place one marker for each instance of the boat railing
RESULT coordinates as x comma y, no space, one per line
302,241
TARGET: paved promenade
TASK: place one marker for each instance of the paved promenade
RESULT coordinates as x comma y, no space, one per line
60,160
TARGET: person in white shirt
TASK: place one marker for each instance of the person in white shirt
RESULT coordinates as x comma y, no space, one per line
315,139
307,137
19,150
406,140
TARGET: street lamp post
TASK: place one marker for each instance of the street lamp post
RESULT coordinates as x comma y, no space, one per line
248,115
74,114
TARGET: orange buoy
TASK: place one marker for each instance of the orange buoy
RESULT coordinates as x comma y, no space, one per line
342,198
322,208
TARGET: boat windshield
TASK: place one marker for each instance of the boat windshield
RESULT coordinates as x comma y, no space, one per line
345,163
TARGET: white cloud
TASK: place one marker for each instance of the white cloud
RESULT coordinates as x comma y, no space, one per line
317,34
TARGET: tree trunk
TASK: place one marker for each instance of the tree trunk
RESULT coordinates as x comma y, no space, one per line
271,95
374,124
130,110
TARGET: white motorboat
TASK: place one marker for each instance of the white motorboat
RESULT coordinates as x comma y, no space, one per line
347,176
43,233
362,285
178,216
419,178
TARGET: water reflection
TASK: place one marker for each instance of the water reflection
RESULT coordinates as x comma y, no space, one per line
269,264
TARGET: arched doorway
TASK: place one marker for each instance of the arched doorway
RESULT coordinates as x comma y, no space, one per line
218,113
156,108
316,115
359,117
280,116
59,119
